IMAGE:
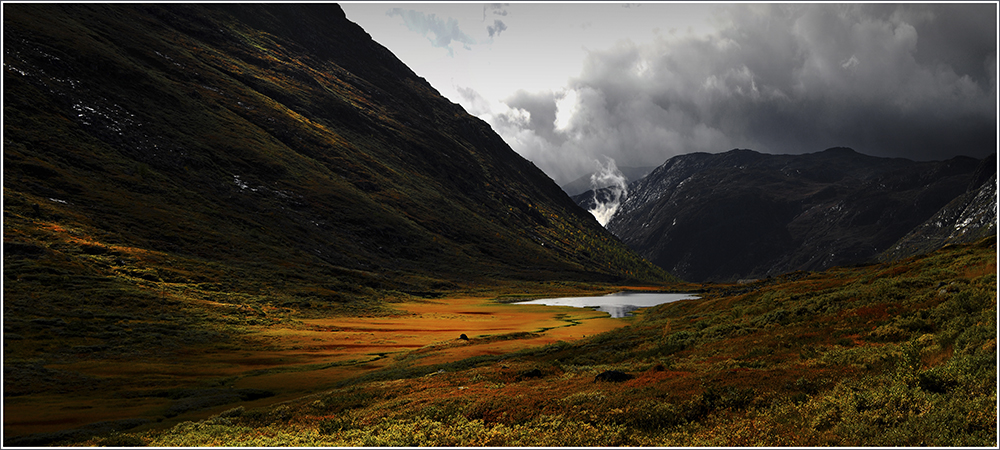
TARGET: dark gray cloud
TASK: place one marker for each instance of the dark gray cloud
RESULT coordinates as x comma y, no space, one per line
915,81
885,79
444,30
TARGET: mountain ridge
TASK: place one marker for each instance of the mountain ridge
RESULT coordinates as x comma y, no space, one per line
743,214
969,217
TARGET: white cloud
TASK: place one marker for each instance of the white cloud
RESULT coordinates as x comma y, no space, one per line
567,104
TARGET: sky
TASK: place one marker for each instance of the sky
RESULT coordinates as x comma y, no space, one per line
573,86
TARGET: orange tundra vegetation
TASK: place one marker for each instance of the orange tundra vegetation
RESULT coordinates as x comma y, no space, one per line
891,355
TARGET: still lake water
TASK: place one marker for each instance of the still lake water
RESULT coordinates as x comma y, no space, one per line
619,304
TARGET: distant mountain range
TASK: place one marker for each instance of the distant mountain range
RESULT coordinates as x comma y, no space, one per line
746,215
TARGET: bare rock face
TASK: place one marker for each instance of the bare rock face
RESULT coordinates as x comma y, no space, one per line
969,217
746,215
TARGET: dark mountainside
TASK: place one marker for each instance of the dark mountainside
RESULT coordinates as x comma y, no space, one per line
746,215
265,144
969,217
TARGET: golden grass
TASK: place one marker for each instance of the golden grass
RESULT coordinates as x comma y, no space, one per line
299,356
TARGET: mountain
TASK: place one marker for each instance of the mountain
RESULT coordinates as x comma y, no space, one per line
583,184
969,217
187,186
745,215
260,147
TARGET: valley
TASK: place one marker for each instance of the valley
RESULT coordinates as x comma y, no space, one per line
262,362
888,354
253,225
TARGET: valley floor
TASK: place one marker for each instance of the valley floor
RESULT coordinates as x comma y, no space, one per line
277,354
894,354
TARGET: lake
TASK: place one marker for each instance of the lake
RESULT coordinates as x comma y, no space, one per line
619,304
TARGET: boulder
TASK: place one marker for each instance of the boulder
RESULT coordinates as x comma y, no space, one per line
533,373
613,376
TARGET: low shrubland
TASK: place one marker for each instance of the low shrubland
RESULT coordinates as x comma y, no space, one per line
899,354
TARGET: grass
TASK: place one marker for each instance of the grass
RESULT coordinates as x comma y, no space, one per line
121,353
880,355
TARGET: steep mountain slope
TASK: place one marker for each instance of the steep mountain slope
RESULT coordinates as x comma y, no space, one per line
968,218
280,142
743,214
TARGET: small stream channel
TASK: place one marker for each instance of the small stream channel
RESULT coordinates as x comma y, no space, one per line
619,304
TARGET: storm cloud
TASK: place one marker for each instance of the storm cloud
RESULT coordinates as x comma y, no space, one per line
534,111
915,81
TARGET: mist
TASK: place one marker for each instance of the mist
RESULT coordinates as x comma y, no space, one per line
610,188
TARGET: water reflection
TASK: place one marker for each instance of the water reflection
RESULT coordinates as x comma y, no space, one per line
618,305
618,311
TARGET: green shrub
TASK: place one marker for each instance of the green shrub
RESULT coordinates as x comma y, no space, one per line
676,342
341,423
648,415
117,439
778,317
